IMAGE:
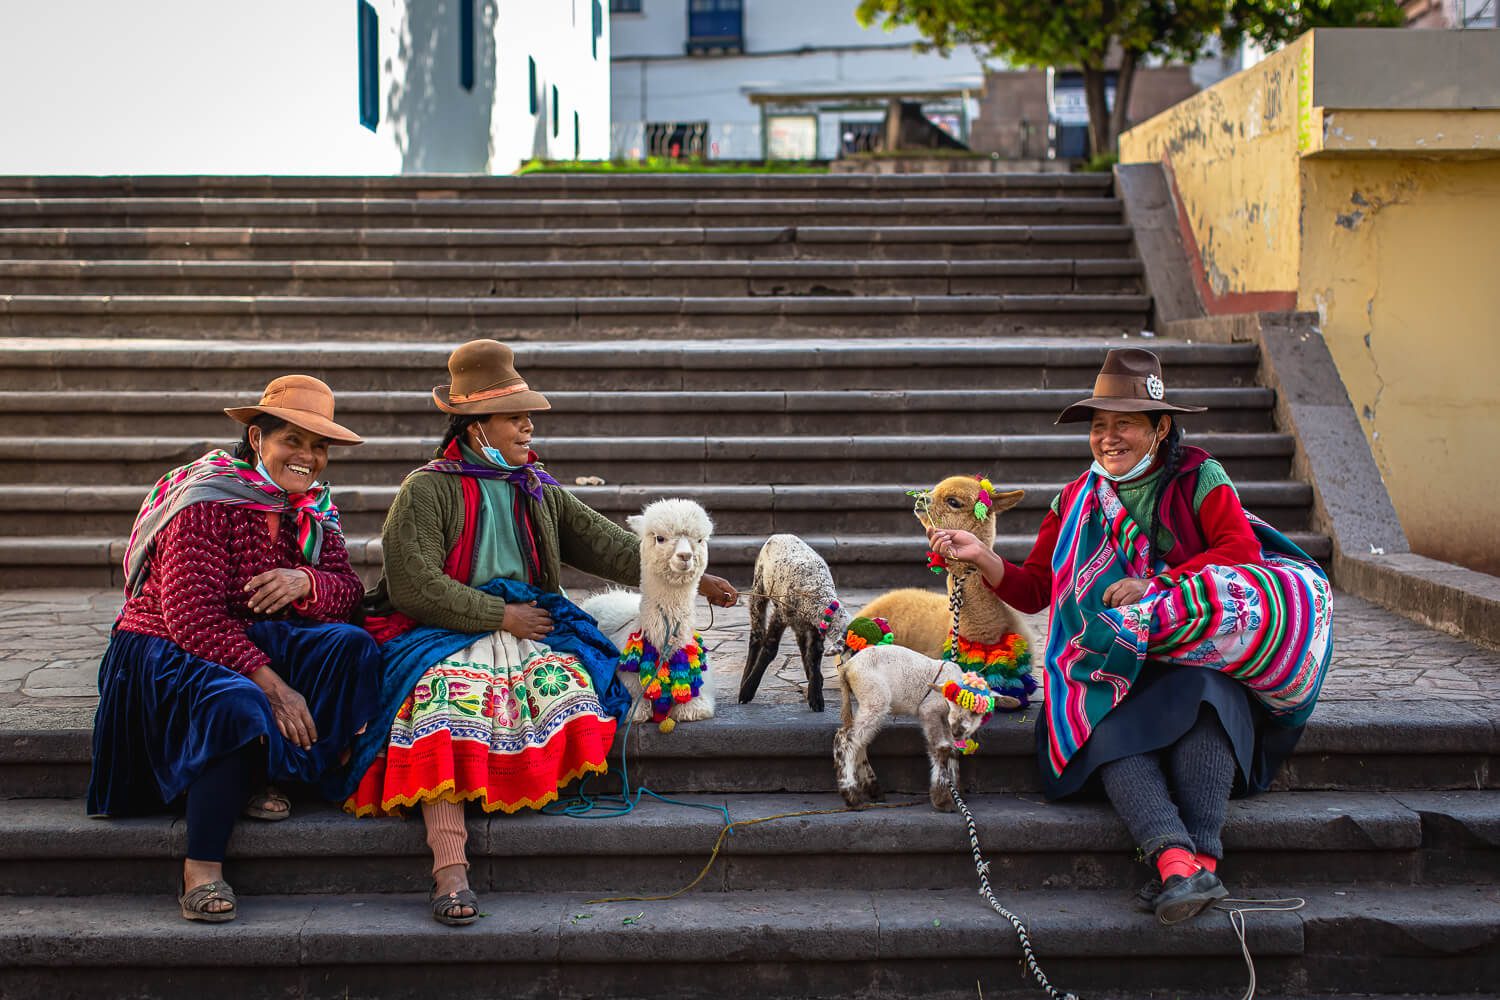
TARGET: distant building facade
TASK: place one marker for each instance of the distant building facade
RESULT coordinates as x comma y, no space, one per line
292,87
1452,13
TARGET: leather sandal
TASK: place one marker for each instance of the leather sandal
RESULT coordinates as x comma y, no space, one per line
1183,898
194,903
255,805
443,907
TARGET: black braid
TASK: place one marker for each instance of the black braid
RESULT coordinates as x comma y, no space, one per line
1172,449
457,424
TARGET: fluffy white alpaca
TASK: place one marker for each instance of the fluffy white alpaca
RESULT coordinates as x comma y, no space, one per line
674,555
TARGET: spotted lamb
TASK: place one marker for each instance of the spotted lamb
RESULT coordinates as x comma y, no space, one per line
792,587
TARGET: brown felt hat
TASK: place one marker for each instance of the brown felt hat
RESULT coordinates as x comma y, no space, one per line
301,400
1129,382
484,380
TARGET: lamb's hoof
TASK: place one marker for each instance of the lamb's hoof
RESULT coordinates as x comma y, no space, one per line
852,798
943,802
815,700
873,792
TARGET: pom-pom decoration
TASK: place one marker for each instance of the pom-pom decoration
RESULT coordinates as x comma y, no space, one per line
825,621
676,679
1004,665
986,501
864,632
972,694
965,747
936,563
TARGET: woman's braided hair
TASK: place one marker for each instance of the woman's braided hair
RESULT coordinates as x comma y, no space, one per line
1171,448
457,424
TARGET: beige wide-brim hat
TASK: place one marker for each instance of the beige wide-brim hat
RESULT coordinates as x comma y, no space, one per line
484,380
1129,382
301,400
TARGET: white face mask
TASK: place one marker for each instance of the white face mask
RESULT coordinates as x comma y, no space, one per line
1139,469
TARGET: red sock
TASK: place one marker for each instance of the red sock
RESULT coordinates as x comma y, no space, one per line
1176,861
1204,861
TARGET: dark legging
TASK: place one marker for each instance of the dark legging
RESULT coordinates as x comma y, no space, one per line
214,802
1176,797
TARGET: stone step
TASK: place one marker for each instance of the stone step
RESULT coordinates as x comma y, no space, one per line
895,410
298,318
561,185
793,944
579,278
758,509
768,748
108,365
857,558
49,847
723,460
876,242
549,213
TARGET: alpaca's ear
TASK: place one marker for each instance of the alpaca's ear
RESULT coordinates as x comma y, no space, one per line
635,523
1007,500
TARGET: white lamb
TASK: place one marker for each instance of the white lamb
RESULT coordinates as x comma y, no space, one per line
657,623
793,587
889,680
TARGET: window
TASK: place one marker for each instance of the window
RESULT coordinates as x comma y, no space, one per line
1070,113
624,6
860,137
534,98
369,66
792,137
466,44
676,139
715,27
555,112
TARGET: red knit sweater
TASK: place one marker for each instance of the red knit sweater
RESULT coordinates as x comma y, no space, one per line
195,593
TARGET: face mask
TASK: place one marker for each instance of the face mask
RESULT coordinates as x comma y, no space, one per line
493,454
1139,469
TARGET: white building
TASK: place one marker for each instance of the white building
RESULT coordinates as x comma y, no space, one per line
788,79
300,86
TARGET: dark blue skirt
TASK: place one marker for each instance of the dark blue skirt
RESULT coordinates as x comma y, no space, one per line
164,713
1163,704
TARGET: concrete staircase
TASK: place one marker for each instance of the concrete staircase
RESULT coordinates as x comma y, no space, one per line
794,352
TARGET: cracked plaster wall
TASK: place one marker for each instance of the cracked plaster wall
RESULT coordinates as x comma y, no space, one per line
1399,261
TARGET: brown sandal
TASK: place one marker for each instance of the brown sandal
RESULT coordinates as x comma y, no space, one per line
195,902
255,805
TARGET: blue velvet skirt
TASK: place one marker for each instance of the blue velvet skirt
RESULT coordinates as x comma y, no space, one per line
164,713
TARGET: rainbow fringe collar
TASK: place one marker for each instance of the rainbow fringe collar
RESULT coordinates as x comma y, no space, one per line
1004,665
677,679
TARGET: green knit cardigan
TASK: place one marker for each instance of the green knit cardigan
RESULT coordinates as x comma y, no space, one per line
425,522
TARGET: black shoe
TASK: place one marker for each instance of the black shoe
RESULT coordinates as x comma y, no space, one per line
1145,896
1183,898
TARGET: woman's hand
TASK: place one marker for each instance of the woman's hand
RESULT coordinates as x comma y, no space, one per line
276,588
718,590
965,546
1128,591
527,621
288,707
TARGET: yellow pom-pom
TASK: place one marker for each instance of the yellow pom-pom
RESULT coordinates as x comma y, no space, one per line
667,725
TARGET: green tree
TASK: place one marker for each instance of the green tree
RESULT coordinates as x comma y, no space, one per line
1098,35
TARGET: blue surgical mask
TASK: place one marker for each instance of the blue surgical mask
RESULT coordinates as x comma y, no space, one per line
493,454
1138,470
265,473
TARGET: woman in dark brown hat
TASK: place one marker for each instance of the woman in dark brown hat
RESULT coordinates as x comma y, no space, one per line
231,662
1150,568
498,688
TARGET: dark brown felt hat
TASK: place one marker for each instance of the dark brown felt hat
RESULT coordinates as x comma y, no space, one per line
301,400
484,380
1129,382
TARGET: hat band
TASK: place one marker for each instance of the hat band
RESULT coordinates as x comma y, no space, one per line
302,401
482,394
1120,387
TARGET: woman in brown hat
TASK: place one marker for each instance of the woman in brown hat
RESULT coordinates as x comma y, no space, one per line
231,662
1150,565
497,688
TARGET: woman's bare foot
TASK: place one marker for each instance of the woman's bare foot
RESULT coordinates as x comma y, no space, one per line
453,879
196,873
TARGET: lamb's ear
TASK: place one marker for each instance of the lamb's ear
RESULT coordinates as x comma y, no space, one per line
936,687
635,522
1007,500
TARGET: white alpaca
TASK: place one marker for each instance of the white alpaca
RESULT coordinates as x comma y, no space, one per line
890,680
674,555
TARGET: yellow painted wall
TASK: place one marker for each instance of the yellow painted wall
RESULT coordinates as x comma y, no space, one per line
1232,150
1401,258
1360,169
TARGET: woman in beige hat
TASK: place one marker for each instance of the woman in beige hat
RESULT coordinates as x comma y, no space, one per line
1150,565
498,689
231,662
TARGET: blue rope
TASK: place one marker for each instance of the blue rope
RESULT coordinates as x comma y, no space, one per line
586,806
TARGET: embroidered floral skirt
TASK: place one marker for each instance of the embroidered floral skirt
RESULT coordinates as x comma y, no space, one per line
505,721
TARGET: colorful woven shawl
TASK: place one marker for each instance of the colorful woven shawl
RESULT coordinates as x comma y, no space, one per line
1267,626
529,478
219,477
